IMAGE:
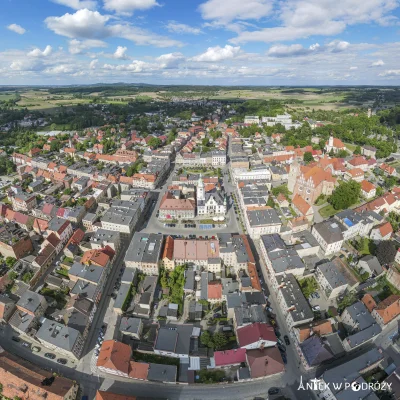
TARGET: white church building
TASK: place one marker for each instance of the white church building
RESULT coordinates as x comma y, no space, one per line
210,204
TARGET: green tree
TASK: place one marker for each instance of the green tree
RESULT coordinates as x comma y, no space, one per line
270,202
10,262
280,189
345,195
379,191
390,181
357,150
308,157
205,142
385,252
55,145
219,340
154,142
206,339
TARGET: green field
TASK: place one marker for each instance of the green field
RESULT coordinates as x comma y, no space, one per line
328,211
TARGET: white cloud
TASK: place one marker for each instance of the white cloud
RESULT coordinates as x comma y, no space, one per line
337,46
86,24
39,53
229,10
120,53
142,37
218,53
127,7
80,47
296,50
77,4
170,60
134,66
83,24
27,65
353,68
305,18
292,50
390,72
16,28
176,27
62,69
92,64
378,63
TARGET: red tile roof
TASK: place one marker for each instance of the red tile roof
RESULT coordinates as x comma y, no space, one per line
385,229
389,308
138,370
254,332
265,362
114,355
101,395
369,302
229,357
214,291
367,186
301,204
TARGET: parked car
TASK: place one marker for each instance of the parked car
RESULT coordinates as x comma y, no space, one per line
284,358
282,348
51,356
286,339
273,390
26,344
62,361
16,339
36,349
316,308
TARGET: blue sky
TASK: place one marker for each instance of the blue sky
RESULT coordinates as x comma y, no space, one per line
226,42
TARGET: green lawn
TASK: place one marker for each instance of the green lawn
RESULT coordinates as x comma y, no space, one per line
350,146
321,200
328,211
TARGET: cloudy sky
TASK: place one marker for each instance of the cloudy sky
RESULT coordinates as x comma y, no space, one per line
227,42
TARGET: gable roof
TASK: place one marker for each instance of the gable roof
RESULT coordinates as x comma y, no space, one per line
367,186
301,204
264,362
229,357
114,355
315,351
389,308
319,328
254,332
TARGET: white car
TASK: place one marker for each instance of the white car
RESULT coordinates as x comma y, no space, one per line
316,308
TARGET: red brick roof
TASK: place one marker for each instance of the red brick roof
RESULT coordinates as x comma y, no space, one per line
101,395
20,378
301,204
265,362
389,308
367,186
214,291
114,355
138,370
385,229
229,357
254,332
369,302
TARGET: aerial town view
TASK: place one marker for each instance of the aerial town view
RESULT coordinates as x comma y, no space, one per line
199,200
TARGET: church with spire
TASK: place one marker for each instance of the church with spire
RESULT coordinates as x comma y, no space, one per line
210,203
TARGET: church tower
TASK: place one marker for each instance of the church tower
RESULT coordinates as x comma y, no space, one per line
200,190
293,173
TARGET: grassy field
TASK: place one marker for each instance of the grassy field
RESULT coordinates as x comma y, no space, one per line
41,99
328,211
350,146
6,96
